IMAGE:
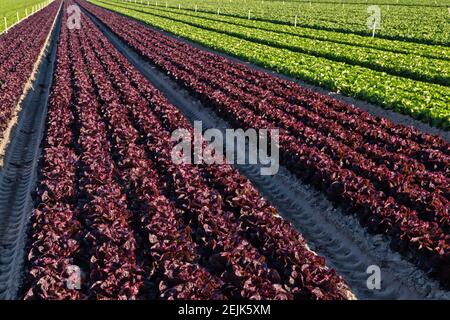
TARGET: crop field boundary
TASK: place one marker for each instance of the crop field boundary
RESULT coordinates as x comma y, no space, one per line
348,247
24,19
371,108
18,175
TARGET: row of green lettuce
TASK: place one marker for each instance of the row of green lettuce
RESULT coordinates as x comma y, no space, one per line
423,101
410,23
430,51
403,65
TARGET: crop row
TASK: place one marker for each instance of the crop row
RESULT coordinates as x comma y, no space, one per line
19,51
360,176
136,224
101,242
10,8
425,101
395,46
408,66
407,23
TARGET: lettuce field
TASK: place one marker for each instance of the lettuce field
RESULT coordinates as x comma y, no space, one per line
110,191
410,81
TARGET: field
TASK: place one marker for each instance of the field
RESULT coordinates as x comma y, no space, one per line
114,143
402,20
414,82
10,8
110,190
